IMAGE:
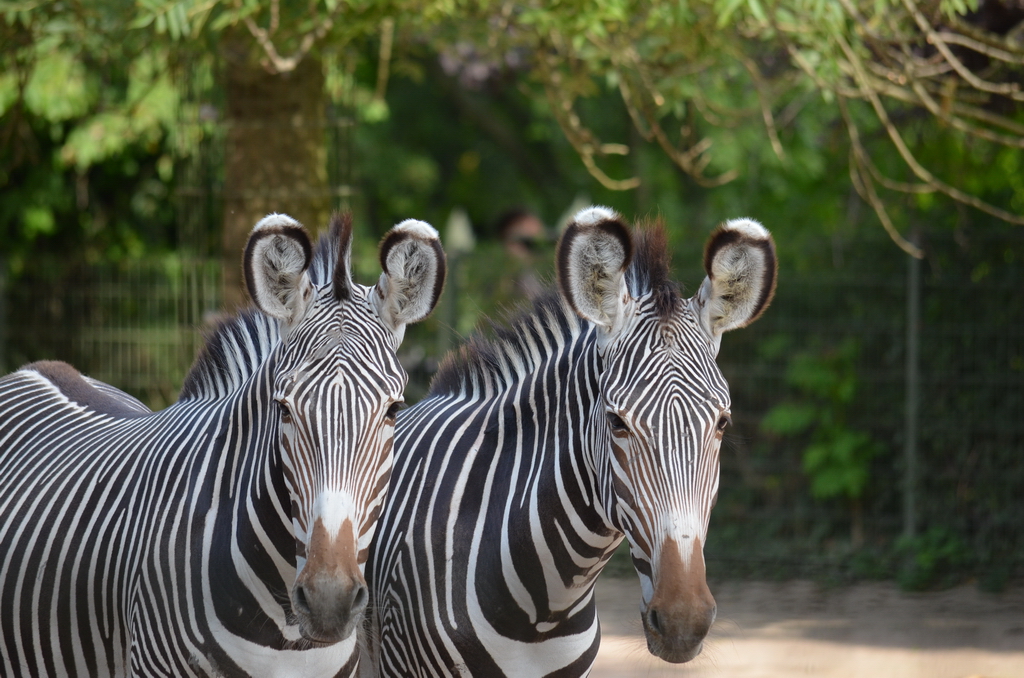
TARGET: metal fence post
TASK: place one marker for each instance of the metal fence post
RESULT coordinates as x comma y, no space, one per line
912,386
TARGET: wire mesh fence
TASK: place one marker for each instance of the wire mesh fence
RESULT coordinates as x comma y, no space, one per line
945,502
138,326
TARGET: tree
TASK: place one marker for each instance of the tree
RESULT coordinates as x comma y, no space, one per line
693,74
275,158
275,155
958,60
918,88
79,115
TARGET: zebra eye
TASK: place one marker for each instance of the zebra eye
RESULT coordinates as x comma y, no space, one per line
724,421
617,424
286,414
395,408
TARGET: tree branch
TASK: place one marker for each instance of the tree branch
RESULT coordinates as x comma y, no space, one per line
1011,90
278,63
908,157
387,37
866,188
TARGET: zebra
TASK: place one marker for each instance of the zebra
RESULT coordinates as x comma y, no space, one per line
596,415
227,534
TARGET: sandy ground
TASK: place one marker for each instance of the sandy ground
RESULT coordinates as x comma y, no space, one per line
800,629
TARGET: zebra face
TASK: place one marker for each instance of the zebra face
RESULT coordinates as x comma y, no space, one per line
666,402
337,386
337,426
667,406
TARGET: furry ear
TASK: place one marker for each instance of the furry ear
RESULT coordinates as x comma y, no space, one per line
414,273
592,258
740,261
275,263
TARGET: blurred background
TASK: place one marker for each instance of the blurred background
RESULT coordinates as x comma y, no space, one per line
879,403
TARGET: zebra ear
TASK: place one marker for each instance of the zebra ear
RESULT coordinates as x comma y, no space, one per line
592,258
740,261
275,263
414,273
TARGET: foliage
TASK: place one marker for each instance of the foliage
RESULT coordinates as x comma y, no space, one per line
837,457
934,559
699,79
79,114
725,89
712,83
957,62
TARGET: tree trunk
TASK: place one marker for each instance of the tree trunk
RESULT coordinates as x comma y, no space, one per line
276,153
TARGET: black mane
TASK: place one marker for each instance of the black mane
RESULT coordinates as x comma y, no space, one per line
651,268
506,352
237,346
496,360
234,350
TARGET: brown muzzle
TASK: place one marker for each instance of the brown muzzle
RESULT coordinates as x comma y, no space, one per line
330,593
682,608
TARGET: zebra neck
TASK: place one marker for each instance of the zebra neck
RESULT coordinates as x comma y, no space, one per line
558,508
252,544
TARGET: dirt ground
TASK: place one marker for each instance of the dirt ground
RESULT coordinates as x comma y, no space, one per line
873,630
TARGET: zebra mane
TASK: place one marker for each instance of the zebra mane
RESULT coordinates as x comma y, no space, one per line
237,346
651,269
509,351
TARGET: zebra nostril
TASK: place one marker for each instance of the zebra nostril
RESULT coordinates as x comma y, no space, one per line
652,621
301,603
359,600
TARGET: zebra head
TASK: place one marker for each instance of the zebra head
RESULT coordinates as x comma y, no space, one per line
666,401
337,386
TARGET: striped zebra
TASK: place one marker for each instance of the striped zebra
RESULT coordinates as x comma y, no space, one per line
225,535
595,416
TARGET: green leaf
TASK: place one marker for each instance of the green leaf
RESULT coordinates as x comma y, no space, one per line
104,136
757,10
179,11
789,419
726,8
38,221
838,464
173,24
374,110
8,91
961,7
811,373
57,89
142,21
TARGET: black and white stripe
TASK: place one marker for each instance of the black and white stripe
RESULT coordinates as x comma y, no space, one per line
596,416
225,535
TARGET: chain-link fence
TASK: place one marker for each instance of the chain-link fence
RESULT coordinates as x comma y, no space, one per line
929,418
136,325
843,491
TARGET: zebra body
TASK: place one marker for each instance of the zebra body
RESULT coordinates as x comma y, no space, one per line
596,416
226,534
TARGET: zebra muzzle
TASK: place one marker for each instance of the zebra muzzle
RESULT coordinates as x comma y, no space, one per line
330,594
329,607
682,608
